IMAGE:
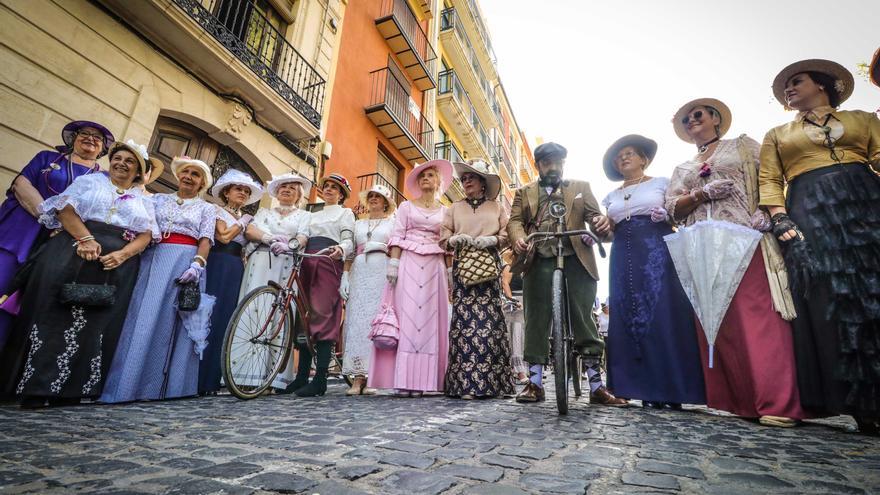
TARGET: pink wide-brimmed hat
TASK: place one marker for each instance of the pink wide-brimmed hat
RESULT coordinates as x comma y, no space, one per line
443,167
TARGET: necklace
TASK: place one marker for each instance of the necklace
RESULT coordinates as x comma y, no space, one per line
476,202
113,205
627,196
180,201
186,204
236,212
373,226
705,146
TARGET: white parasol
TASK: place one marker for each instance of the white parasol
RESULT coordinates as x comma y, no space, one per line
198,323
711,257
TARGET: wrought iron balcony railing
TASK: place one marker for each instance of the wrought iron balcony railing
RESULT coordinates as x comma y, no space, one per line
365,182
405,35
240,27
447,151
395,114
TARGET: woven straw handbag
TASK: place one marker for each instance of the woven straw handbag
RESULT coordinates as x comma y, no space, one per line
476,266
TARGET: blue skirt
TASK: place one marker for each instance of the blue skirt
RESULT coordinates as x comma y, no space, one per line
222,280
653,353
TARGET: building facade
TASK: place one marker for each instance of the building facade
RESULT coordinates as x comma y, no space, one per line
237,83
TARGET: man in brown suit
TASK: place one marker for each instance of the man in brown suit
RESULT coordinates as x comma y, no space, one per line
530,213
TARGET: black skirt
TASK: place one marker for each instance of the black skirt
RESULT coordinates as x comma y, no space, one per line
66,351
836,285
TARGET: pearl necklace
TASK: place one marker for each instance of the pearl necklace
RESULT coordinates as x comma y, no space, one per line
627,196
185,205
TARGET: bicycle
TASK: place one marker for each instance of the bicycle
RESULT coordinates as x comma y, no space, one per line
566,360
259,338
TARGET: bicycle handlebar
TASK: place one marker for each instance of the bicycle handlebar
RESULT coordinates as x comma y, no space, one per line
543,236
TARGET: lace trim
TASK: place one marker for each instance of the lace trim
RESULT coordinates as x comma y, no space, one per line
36,344
70,334
94,368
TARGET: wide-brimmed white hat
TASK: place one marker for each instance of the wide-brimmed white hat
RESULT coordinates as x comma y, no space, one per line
381,190
843,79
181,162
681,128
479,167
234,177
140,153
276,182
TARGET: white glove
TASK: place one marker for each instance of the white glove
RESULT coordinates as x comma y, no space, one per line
245,220
449,277
659,214
485,241
192,274
280,238
278,248
391,271
344,286
761,221
459,240
719,189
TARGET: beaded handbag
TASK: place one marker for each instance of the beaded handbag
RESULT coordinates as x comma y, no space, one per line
188,296
94,295
476,266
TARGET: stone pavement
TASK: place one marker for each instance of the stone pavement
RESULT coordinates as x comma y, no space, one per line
339,445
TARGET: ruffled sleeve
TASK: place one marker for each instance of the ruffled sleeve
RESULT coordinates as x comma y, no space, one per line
398,233
73,196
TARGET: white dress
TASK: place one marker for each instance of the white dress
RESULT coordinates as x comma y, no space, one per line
263,266
367,279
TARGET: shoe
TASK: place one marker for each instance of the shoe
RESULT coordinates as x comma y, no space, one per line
467,397
368,391
603,397
357,386
402,393
532,393
675,406
652,405
777,421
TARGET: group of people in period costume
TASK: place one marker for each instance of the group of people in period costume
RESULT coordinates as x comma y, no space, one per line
463,290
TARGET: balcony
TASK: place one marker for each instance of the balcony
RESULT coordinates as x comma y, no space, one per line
461,52
400,121
401,29
365,182
447,151
455,105
479,26
231,46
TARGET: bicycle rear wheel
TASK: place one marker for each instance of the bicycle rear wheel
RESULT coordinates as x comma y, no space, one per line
561,352
252,357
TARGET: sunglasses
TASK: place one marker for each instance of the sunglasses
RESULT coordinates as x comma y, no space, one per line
696,115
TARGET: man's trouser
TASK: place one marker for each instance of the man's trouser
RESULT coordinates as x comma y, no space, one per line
537,290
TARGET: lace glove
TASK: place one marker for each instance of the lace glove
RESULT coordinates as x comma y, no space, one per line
278,248
587,240
659,214
192,274
718,189
782,224
460,240
449,277
485,241
245,220
391,271
344,286
760,221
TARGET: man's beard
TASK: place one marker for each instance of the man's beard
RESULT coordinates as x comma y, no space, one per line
550,180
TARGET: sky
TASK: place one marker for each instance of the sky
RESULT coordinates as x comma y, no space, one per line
585,72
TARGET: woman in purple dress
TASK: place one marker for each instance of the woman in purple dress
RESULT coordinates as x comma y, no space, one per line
47,174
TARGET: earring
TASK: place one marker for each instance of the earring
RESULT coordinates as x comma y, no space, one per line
821,88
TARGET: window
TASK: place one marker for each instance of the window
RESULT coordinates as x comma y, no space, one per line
387,169
257,24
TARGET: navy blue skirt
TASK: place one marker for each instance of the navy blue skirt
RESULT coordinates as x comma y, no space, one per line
223,281
652,340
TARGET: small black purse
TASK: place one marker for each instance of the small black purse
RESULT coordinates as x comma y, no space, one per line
188,296
93,295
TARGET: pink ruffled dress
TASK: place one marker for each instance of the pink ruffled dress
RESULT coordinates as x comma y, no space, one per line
422,306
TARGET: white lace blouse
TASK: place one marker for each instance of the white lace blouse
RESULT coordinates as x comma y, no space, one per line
282,221
372,235
334,222
230,220
195,217
642,198
94,197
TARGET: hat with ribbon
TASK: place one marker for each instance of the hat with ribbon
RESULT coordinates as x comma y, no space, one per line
234,177
150,167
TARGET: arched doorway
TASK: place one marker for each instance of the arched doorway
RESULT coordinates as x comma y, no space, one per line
172,138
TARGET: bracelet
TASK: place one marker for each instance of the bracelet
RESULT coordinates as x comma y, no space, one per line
83,239
201,259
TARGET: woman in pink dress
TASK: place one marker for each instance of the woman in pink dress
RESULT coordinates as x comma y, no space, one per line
418,272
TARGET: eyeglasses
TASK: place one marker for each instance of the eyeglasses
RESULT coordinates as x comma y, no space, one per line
468,177
696,115
91,135
623,156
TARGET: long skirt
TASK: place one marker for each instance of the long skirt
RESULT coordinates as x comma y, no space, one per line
261,267
367,280
155,359
222,280
754,370
479,351
651,329
320,278
516,335
65,351
837,289
8,266
422,306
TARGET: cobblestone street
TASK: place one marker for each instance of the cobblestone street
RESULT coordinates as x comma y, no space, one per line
339,445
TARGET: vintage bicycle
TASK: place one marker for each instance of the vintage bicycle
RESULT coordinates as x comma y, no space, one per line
264,326
566,360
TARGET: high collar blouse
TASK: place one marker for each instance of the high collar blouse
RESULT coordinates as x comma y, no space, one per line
334,222
725,163
283,220
797,147
489,219
195,217
94,197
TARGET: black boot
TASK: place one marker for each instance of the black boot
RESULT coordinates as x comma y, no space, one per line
304,366
319,383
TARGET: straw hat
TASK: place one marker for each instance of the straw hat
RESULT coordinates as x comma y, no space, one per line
340,181
874,69
181,162
479,167
648,147
237,177
443,167
68,136
276,182
140,153
681,129
843,79
383,191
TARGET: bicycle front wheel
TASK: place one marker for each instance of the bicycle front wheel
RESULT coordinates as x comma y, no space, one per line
257,343
561,352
